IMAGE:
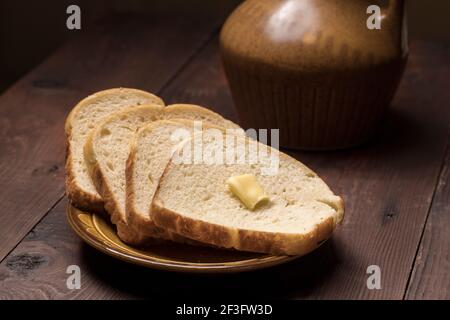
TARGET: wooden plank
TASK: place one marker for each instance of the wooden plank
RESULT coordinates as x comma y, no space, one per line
431,276
36,269
138,51
388,185
203,82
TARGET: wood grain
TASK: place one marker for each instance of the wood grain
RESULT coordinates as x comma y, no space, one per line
388,186
431,274
138,51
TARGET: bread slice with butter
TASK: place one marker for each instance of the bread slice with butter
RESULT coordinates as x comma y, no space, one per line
195,199
85,116
107,150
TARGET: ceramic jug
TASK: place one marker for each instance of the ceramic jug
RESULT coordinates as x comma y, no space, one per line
313,68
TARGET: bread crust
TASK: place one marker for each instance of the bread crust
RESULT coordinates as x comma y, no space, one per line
80,199
77,196
240,239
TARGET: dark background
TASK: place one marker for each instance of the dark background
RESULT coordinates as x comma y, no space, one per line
30,30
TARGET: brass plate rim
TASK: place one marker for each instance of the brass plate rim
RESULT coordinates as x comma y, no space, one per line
153,262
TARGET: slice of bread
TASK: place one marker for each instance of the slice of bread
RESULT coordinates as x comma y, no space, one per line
151,149
107,150
194,201
82,119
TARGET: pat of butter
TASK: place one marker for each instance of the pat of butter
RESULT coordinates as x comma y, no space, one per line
248,190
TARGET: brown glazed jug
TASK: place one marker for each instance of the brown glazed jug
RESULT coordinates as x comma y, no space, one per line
313,68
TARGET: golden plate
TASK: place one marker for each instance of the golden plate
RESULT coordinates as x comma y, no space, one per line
169,256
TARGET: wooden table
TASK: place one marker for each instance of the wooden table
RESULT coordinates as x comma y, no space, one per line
395,187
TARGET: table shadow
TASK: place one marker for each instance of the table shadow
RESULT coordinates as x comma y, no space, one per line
295,279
